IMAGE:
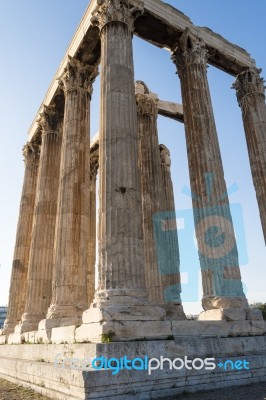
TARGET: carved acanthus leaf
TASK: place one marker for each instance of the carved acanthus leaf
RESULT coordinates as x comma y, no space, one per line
78,76
165,156
247,84
115,11
146,104
94,165
31,152
49,119
189,50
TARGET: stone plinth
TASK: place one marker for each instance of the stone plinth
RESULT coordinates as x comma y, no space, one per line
41,367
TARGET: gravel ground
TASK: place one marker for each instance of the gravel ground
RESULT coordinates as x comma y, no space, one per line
10,391
256,391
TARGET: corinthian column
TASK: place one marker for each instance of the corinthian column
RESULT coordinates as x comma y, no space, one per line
94,164
18,285
121,280
39,290
121,264
250,92
149,161
71,233
162,278
222,287
168,252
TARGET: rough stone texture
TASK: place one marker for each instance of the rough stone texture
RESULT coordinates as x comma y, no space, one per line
251,98
41,262
63,335
120,313
227,314
18,286
254,314
71,235
219,261
119,331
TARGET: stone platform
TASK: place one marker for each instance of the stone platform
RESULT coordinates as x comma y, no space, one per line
120,331
34,366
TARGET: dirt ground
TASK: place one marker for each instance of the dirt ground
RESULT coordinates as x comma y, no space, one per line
256,391
10,391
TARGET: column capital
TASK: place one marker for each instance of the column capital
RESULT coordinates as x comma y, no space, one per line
116,11
49,120
147,104
78,76
31,153
189,50
248,83
165,156
94,165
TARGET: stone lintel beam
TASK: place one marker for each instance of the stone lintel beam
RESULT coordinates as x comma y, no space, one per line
171,110
160,24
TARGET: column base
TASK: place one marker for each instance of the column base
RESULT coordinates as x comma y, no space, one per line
231,314
29,323
9,327
62,315
123,315
121,297
47,324
174,312
216,302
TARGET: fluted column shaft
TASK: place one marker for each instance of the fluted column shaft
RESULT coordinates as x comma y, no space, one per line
18,285
149,162
218,254
160,277
121,255
250,92
169,254
71,233
94,164
41,260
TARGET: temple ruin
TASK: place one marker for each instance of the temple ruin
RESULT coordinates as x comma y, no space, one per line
53,300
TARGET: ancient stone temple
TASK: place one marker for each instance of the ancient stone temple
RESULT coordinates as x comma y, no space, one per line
135,308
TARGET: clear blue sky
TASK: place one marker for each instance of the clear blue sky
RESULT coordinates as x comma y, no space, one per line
34,37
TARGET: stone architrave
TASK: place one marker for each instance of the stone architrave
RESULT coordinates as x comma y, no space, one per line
18,285
69,297
250,92
41,262
222,286
121,293
94,164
